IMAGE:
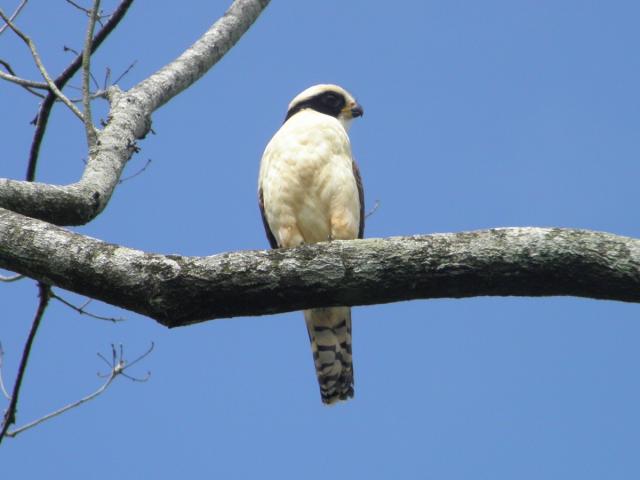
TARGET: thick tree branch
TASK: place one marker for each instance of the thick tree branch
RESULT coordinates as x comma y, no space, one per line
177,290
129,119
189,67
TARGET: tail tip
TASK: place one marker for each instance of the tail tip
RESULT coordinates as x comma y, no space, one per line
335,396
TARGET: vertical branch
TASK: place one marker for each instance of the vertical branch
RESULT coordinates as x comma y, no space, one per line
10,415
86,74
45,110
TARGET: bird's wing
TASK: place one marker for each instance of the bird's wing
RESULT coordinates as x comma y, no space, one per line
270,236
356,174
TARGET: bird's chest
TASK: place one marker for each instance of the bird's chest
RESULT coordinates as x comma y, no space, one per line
312,176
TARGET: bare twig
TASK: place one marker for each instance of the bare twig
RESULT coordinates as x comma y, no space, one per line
42,119
373,210
107,78
137,173
101,92
11,278
23,82
10,415
2,387
43,71
86,76
87,11
97,94
122,75
28,85
81,309
79,7
69,49
118,366
13,16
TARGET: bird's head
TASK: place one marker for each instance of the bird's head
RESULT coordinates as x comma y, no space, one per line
328,99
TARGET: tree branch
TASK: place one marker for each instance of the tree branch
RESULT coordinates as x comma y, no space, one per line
43,71
86,76
13,16
23,82
118,366
45,110
129,120
10,415
177,290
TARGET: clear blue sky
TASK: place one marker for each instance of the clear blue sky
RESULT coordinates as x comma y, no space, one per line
477,115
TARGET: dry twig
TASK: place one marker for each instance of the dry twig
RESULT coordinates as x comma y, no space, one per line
11,278
81,309
13,16
28,85
133,175
3,389
118,366
43,71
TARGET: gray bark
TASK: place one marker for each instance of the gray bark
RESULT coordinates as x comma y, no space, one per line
177,290
129,120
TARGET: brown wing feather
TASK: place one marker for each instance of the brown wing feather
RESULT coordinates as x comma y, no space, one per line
270,236
356,174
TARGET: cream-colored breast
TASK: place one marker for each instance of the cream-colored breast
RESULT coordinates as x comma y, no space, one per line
306,176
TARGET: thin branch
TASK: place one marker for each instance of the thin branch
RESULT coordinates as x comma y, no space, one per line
45,110
86,10
81,310
79,7
23,82
86,76
97,94
133,175
11,278
2,387
107,78
373,210
70,49
14,15
123,74
118,366
28,85
43,71
10,414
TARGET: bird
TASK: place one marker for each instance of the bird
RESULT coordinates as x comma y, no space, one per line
310,191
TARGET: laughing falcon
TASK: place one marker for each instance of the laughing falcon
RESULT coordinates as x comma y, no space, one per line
309,191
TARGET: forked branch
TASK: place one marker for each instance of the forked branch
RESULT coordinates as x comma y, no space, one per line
118,366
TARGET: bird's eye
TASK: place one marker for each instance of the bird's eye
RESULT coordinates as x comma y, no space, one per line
332,100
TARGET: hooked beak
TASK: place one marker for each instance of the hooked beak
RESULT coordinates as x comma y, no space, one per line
357,111
352,111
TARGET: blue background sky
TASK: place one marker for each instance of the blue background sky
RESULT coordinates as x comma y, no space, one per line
477,115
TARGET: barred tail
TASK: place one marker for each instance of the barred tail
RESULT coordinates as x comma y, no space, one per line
330,335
